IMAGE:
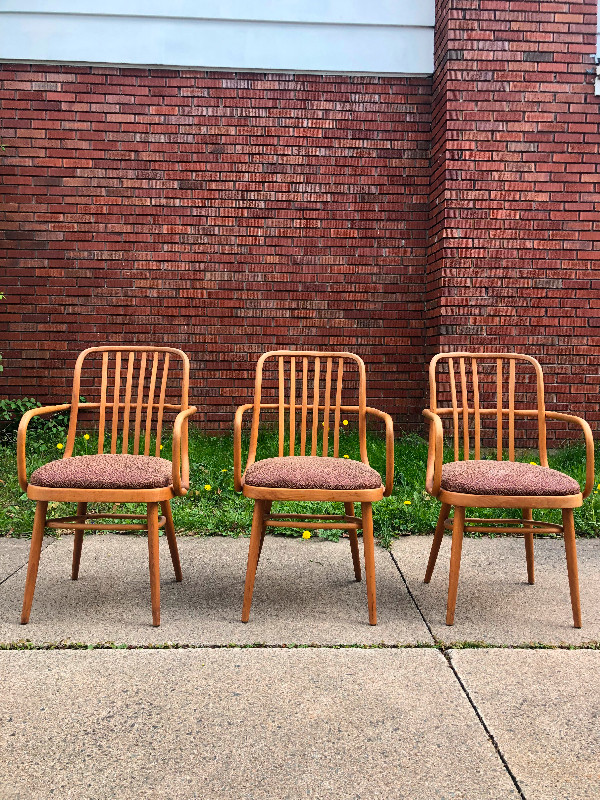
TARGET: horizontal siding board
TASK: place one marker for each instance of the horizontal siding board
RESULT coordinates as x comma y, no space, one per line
216,44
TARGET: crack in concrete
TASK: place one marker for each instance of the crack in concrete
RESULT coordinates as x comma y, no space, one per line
445,651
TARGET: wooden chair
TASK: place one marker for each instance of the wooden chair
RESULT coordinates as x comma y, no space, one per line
477,483
115,477
316,476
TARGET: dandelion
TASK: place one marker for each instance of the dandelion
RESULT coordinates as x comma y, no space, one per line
59,446
344,422
306,534
346,456
86,436
208,487
223,470
161,447
408,502
598,487
534,463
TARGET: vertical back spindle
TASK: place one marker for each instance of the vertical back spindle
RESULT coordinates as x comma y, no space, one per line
139,404
511,409
476,409
315,409
161,403
150,405
127,409
103,402
292,405
281,407
465,409
304,405
338,403
499,409
454,408
115,405
327,406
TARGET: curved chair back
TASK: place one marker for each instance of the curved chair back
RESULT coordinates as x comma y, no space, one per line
476,386
137,386
306,387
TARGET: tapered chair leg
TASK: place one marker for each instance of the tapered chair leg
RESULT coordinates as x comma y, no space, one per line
165,507
153,562
349,511
253,554
528,515
37,538
571,552
369,547
267,510
437,540
458,529
78,541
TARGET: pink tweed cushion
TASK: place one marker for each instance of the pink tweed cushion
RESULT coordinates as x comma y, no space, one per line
506,478
104,471
312,472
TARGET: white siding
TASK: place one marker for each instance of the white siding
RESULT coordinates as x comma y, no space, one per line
380,37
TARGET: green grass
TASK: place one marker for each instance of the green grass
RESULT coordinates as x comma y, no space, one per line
221,511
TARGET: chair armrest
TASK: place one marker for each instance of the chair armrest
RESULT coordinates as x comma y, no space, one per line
237,447
22,434
589,446
389,448
181,463
435,456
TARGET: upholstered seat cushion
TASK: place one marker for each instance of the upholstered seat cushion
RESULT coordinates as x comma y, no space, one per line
506,478
104,471
312,472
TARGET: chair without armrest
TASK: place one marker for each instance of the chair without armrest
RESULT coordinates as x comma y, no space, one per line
477,483
307,474
116,477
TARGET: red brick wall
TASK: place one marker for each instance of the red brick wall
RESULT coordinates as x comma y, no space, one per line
514,257
226,214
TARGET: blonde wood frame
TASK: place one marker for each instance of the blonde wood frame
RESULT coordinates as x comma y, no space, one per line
467,411
298,407
133,408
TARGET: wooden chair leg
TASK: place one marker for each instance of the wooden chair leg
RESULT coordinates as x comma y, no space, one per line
267,510
78,541
37,538
528,515
253,554
349,511
369,547
437,540
153,562
571,552
458,530
165,507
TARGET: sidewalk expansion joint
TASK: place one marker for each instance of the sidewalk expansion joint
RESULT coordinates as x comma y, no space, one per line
445,651
18,569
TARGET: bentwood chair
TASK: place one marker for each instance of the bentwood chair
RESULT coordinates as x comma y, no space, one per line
318,476
135,387
476,395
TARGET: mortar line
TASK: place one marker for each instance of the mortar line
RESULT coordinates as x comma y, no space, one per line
446,653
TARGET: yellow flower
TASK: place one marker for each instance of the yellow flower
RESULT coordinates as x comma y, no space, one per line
59,446
306,534
595,492
161,447
208,487
344,422
408,502
223,470
86,436
598,487
534,463
345,456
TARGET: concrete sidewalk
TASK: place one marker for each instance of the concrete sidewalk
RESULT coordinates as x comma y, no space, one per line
400,710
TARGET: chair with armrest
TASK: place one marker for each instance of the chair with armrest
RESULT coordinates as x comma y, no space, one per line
133,390
318,476
476,483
